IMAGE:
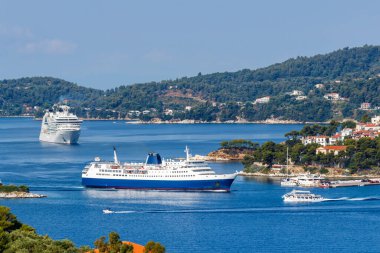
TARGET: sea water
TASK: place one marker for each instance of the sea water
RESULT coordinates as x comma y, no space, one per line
251,218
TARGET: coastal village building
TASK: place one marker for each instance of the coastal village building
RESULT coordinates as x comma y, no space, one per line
333,140
334,97
364,134
321,140
301,97
346,132
295,93
367,127
319,86
375,120
331,149
365,106
362,130
262,100
168,112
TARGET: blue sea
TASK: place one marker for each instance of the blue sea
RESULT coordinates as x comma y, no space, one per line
251,218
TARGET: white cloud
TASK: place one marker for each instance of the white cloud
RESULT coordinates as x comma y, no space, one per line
14,32
51,46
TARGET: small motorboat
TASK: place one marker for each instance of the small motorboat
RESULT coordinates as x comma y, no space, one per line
107,211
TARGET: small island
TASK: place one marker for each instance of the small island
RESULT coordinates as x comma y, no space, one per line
14,191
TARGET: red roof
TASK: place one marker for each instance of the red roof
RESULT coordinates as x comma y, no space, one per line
338,148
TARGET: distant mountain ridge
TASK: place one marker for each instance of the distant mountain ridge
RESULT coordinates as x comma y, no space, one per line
353,73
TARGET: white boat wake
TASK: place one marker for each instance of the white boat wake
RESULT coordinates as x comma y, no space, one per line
354,199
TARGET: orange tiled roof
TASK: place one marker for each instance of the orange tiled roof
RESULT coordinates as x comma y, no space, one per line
137,248
336,148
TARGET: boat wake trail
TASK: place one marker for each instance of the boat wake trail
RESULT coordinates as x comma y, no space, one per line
57,188
353,199
297,209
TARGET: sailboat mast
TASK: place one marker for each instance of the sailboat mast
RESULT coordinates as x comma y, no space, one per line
287,160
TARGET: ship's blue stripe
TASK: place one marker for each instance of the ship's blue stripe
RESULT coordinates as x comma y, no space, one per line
223,184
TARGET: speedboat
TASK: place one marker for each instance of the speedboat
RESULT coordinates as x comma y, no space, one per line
302,196
107,211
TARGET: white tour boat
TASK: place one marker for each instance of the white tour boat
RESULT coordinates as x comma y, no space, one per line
302,196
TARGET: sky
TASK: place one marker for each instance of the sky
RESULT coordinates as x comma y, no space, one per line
105,44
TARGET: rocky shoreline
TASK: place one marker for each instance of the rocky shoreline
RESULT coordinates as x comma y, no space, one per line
20,195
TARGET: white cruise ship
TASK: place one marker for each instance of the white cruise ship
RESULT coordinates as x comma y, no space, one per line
60,126
156,173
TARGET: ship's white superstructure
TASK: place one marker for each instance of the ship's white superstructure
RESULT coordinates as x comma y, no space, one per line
60,126
156,173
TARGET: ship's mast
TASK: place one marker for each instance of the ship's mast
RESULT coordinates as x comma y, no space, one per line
187,151
115,156
287,160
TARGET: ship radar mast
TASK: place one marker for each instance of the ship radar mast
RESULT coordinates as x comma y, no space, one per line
116,160
187,151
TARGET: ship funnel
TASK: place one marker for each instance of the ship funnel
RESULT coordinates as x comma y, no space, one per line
115,156
153,159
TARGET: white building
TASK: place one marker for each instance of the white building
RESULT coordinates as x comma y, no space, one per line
262,100
346,132
187,108
295,93
301,98
365,106
332,96
319,86
375,120
168,112
321,140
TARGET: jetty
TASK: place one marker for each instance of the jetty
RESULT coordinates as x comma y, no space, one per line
349,183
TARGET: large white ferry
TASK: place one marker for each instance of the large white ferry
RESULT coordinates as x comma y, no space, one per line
60,126
156,173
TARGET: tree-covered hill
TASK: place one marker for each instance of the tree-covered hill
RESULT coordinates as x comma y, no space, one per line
353,73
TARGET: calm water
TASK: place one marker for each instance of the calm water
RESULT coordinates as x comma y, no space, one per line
252,218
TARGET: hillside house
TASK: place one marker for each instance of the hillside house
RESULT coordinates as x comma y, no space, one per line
375,120
365,106
330,149
263,100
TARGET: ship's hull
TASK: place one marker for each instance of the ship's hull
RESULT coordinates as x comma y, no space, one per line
184,185
62,137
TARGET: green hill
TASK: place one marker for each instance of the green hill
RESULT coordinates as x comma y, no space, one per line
351,72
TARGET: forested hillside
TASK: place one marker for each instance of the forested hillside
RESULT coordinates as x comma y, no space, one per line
297,89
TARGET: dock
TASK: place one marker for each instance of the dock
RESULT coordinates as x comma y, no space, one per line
350,183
